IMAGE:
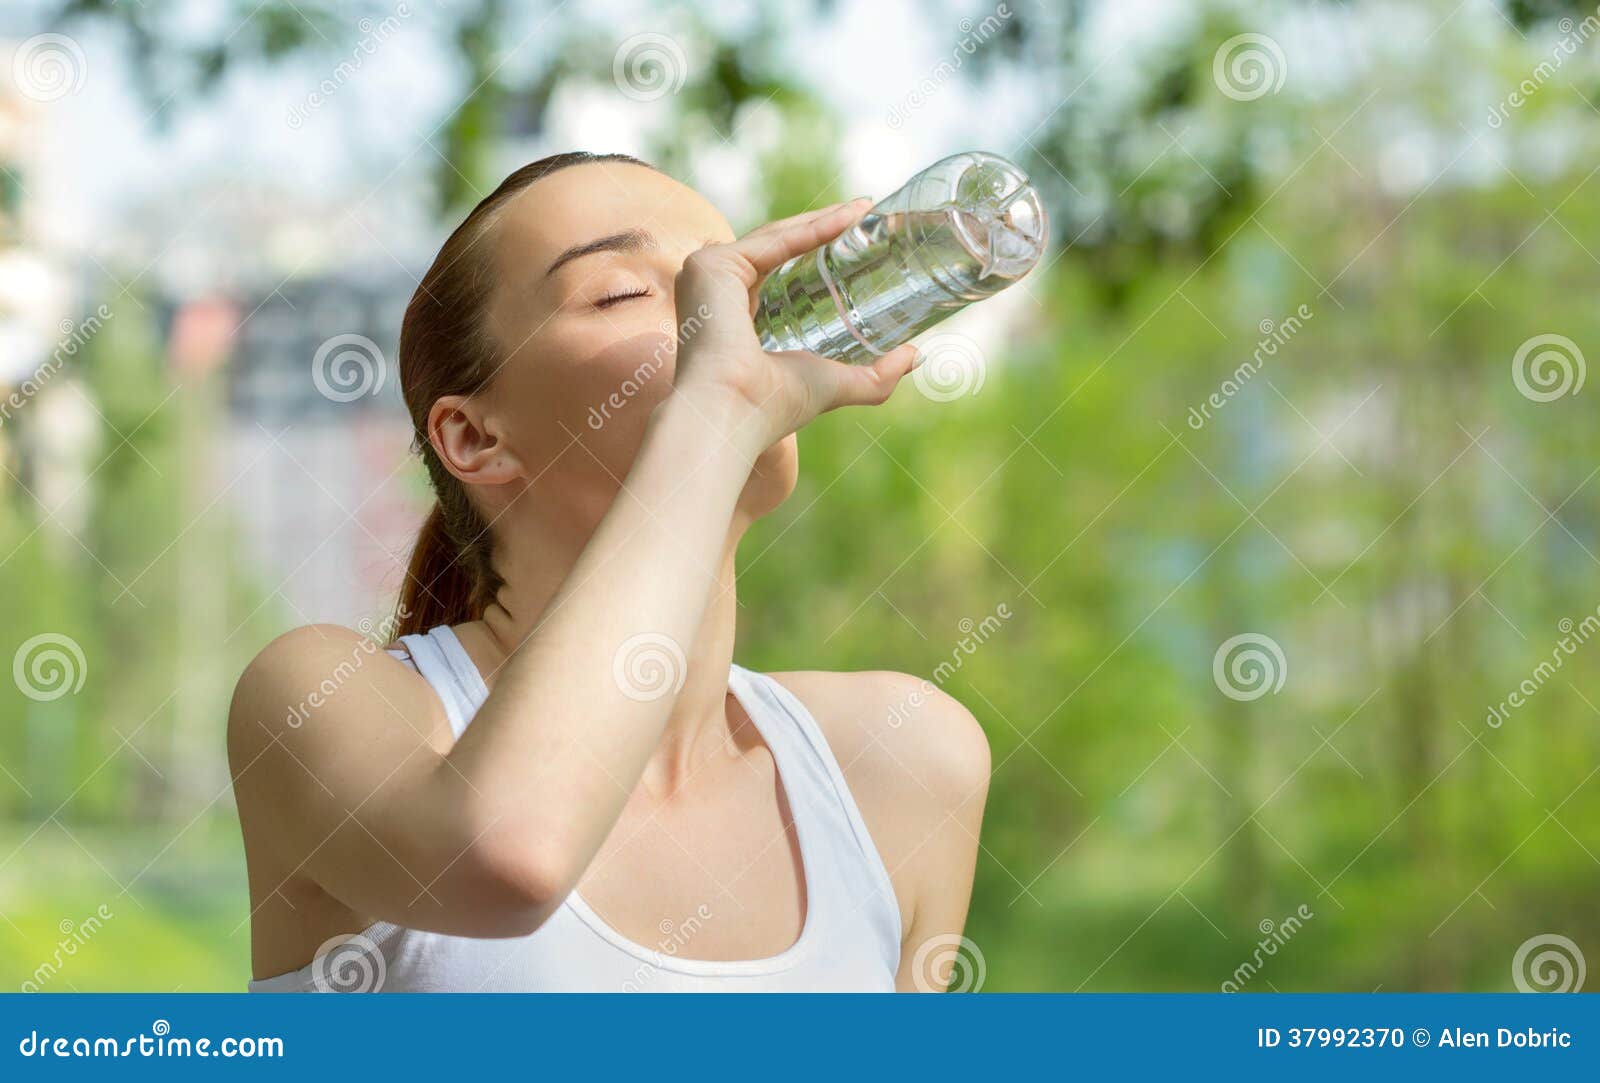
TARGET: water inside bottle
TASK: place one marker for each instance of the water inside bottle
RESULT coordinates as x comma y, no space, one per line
900,270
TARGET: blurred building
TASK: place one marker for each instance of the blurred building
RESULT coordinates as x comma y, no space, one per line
327,496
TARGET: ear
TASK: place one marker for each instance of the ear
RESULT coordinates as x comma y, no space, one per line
470,443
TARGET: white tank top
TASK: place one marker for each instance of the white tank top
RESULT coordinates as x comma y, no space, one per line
850,940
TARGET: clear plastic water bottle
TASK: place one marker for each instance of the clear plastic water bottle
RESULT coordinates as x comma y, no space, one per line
963,229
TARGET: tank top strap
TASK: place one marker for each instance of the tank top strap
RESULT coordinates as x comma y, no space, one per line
444,663
820,800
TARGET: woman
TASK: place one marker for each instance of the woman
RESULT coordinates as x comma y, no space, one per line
627,809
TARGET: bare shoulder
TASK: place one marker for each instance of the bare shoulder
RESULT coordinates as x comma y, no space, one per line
321,671
898,733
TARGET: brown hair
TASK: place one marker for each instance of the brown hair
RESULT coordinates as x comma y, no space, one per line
445,350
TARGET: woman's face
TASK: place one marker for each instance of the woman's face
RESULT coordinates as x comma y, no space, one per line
584,261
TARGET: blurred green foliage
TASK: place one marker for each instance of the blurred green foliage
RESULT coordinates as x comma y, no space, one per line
1141,824
1378,499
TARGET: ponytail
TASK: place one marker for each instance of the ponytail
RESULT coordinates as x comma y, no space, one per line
439,588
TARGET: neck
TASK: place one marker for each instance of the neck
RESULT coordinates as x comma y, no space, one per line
699,726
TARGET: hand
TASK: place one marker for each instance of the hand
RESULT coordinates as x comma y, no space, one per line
770,394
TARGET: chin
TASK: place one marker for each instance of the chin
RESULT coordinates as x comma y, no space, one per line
772,478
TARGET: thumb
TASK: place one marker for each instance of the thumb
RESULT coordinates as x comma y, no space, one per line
870,385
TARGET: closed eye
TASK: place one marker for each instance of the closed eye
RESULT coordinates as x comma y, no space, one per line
622,295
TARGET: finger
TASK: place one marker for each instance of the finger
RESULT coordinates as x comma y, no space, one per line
802,218
767,249
773,230
870,385
774,237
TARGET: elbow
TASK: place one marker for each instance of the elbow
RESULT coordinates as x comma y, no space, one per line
521,881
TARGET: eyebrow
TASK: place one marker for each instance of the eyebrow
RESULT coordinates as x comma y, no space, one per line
629,240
